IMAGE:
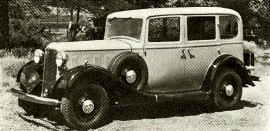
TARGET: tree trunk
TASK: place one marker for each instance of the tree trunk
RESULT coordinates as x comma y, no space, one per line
78,14
69,35
71,14
4,24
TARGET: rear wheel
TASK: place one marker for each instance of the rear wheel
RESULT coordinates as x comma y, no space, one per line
227,90
85,107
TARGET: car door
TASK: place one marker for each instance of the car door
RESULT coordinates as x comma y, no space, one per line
202,48
164,54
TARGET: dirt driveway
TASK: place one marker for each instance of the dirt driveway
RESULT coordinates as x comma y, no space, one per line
252,114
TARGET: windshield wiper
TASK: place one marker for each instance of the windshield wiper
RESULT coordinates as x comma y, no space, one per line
128,18
124,37
112,19
124,19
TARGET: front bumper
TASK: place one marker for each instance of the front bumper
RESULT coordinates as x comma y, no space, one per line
34,98
250,68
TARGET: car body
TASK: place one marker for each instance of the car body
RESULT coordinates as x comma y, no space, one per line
147,56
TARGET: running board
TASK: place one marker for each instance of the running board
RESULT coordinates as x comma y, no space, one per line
191,95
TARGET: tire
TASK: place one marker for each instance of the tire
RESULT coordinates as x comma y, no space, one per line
126,63
224,97
72,106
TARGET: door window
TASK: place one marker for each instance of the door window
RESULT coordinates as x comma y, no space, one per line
164,29
228,27
201,28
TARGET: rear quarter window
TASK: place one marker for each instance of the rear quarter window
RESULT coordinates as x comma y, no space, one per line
228,27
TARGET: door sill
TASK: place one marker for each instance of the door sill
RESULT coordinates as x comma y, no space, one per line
181,96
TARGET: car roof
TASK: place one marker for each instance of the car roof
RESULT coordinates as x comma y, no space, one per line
145,13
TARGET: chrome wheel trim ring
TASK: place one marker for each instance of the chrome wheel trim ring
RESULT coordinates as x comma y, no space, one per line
131,76
88,106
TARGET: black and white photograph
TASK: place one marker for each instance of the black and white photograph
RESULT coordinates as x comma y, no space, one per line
135,65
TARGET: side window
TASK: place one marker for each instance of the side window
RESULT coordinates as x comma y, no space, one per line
228,27
164,29
201,28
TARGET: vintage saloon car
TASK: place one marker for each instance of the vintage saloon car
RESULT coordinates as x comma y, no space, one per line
147,56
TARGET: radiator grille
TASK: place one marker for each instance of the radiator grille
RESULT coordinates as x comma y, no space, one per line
49,72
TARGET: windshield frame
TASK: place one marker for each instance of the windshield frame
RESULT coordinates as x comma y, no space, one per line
106,37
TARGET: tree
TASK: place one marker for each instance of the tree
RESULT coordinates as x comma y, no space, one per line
255,14
23,28
101,8
4,24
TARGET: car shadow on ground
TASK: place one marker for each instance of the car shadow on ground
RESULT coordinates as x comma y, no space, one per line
53,120
166,110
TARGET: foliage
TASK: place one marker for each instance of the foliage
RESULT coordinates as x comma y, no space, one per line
4,19
11,65
24,32
195,3
16,52
25,13
255,14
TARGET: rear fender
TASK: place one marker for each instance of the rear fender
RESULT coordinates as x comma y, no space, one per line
226,61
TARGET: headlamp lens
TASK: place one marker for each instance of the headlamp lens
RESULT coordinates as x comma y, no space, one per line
59,62
61,59
36,59
38,56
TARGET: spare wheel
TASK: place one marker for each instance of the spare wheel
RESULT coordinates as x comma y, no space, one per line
131,69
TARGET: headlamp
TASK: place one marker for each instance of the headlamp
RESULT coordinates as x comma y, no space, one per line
38,56
61,59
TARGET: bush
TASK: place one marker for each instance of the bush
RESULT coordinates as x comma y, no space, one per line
4,53
28,34
17,52
21,52
12,69
11,65
12,60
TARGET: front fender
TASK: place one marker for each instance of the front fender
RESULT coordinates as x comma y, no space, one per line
32,76
97,75
21,69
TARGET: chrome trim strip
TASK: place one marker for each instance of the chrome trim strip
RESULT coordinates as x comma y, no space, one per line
98,50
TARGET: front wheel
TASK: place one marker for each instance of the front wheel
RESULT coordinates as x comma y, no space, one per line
227,90
85,107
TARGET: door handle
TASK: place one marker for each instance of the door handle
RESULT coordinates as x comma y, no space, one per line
144,52
190,55
183,56
218,50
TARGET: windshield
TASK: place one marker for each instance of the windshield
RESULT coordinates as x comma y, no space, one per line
124,28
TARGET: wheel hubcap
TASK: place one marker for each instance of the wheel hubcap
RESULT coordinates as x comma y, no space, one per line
229,90
131,76
88,106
